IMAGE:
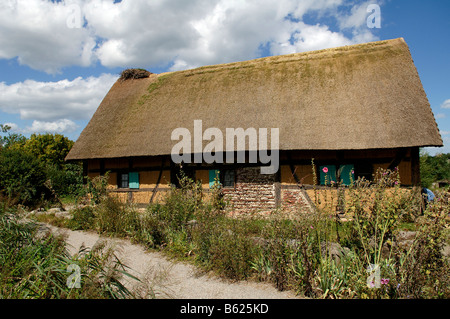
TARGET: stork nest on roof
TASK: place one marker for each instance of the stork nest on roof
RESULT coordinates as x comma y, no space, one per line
134,74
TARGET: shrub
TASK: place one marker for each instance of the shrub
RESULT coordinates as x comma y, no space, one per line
23,179
230,250
82,218
67,180
114,217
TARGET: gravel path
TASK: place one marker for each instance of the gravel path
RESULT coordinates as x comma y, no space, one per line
170,279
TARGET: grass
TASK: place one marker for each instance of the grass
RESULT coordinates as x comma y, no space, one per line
316,256
36,266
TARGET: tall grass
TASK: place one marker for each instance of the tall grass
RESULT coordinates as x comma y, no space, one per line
317,255
38,266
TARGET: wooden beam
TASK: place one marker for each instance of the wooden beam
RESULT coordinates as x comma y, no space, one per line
158,181
415,166
85,171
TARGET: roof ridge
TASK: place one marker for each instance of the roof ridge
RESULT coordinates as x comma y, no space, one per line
293,56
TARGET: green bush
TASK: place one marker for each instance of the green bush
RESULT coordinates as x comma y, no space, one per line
82,218
229,250
23,178
65,180
114,217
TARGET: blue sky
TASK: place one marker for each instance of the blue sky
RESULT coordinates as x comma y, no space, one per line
58,59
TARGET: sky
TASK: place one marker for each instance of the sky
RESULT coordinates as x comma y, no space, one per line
58,59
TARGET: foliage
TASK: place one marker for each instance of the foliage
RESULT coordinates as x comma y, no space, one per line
67,180
96,188
12,139
23,178
36,266
51,149
434,168
316,255
82,218
33,170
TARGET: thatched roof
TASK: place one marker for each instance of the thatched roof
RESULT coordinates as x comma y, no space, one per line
365,96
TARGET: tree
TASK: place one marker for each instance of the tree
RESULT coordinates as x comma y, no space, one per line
434,168
51,149
22,178
12,139
34,169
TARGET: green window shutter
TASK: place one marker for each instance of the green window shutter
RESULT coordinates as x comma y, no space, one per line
212,176
330,175
346,171
133,180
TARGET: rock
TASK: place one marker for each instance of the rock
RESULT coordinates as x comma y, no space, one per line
335,251
405,238
53,210
259,241
406,235
446,251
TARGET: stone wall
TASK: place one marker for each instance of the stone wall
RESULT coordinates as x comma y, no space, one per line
256,192
253,191
295,200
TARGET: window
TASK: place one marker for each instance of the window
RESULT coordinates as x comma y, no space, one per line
178,173
364,170
330,173
128,180
123,180
228,178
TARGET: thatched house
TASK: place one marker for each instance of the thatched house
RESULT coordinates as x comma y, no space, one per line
353,109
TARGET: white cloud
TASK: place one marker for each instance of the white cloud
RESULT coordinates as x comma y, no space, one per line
51,101
37,33
446,104
356,18
310,37
185,34
60,126
440,116
14,127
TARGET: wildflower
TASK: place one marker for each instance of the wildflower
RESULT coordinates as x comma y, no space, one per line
384,281
396,183
353,172
325,170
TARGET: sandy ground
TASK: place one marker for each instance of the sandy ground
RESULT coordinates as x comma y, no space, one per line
167,278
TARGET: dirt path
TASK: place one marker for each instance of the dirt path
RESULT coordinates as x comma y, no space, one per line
169,279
